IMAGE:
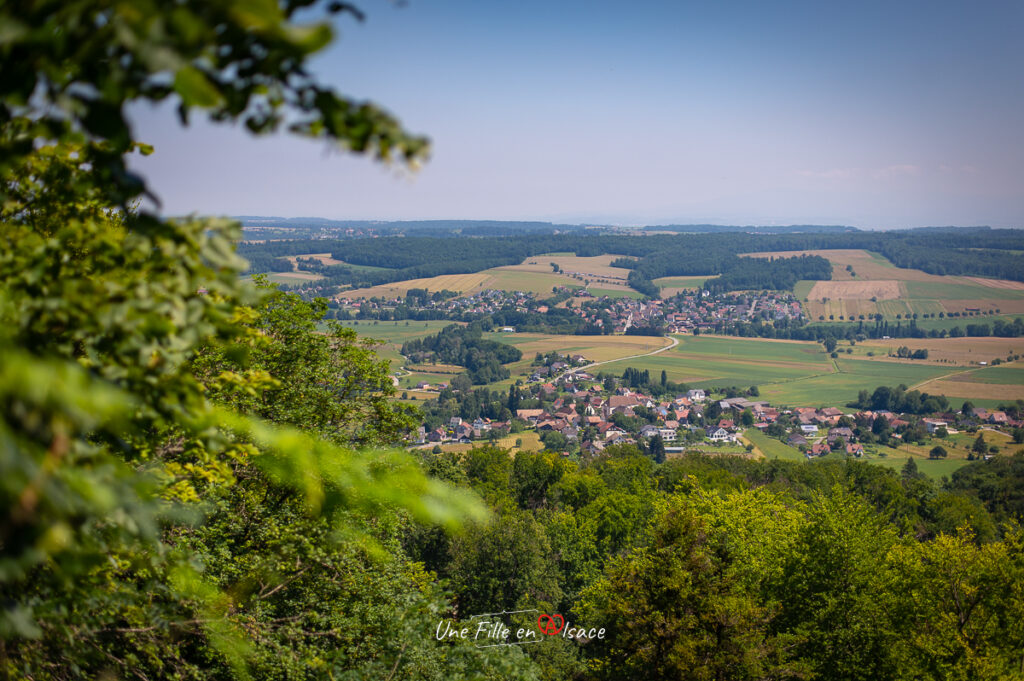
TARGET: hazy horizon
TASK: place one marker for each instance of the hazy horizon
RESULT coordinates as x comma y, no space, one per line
874,115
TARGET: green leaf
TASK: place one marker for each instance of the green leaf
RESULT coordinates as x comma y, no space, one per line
309,38
195,88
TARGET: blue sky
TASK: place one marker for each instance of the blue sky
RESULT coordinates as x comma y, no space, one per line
875,114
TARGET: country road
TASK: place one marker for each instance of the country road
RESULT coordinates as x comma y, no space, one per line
673,342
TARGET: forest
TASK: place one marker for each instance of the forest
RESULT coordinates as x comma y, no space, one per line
975,251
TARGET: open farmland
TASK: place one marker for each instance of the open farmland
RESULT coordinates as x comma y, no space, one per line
463,283
876,286
593,267
500,278
985,386
534,275
790,373
671,286
323,258
594,348
288,277
865,265
962,351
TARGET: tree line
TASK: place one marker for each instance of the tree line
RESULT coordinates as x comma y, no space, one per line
465,346
975,251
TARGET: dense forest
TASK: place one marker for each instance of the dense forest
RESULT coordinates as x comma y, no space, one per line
728,568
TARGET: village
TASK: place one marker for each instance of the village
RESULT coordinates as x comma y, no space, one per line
691,311
581,414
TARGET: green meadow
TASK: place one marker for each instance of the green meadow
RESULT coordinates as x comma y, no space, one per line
772,448
682,282
614,293
787,373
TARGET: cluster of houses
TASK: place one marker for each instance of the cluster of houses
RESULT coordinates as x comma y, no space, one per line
588,415
688,312
479,303
462,432
578,407
693,311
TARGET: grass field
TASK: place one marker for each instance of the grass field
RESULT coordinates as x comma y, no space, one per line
770,448
614,292
788,373
671,286
530,443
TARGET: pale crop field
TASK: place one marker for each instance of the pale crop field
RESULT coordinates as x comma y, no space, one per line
598,266
324,258
955,351
896,291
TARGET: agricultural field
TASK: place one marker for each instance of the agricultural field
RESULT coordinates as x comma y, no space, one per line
534,275
671,286
594,348
541,283
463,283
876,286
288,277
324,258
614,292
788,373
595,268
963,351
985,387
715,360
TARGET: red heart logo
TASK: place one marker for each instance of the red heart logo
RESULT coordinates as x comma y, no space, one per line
550,624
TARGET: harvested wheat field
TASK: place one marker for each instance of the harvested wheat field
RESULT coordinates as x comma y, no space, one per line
856,290
865,265
985,306
976,391
463,283
997,283
957,351
324,258
299,276
596,266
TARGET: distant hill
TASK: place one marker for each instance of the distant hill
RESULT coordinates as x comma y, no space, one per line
257,226
761,229
269,227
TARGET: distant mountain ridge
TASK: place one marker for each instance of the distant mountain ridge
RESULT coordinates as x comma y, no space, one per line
313,226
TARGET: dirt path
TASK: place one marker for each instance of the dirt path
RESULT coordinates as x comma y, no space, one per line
917,386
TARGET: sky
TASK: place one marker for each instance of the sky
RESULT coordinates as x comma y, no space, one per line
876,114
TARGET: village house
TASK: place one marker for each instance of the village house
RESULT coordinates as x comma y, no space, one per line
719,434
